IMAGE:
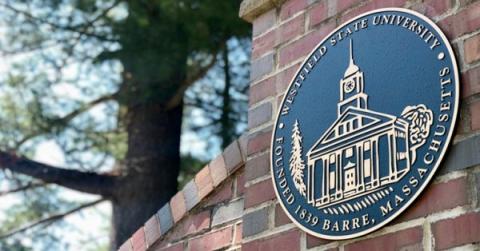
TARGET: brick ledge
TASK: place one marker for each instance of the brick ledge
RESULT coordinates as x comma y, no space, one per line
203,184
250,9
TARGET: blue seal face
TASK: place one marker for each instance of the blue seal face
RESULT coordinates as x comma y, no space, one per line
364,124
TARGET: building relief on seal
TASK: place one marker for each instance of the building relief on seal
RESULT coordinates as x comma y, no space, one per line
361,153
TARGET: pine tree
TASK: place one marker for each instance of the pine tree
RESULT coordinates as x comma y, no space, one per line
296,161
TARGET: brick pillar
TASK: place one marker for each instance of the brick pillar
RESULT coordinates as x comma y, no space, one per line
284,32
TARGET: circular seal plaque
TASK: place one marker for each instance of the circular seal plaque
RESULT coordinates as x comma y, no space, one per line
365,123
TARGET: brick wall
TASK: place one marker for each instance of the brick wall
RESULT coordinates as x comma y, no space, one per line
231,204
205,215
447,214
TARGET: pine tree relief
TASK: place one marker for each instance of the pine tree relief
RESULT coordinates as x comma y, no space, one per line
297,164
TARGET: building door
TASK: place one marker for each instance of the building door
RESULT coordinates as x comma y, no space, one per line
349,176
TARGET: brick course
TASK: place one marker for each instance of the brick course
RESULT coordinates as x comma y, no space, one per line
399,240
204,182
472,49
255,222
429,201
212,241
285,241
257,167
259,193
152,230
458,231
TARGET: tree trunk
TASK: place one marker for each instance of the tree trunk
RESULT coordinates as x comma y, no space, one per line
151,167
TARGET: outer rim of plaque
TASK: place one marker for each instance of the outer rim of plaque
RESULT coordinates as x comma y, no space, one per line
441,156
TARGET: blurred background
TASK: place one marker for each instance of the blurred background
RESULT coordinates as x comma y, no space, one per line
106,105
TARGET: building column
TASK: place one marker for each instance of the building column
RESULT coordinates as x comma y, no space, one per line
326,177
361,175
374,148
393,156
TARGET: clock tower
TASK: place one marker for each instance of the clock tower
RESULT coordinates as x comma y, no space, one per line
351,87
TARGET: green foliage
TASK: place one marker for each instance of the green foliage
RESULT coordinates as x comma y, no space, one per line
64,55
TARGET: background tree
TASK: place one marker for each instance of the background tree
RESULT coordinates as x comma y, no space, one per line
217,104
105,81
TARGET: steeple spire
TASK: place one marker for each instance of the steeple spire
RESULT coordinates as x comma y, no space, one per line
351,53
352,68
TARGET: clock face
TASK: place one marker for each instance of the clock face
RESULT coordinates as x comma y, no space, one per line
349,86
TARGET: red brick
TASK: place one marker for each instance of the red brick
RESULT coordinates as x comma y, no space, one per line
475,115
196,223
467,20
258,142
318,13
305,45
213,240
190,225
313,241
285,241
243,142
358,10
260,115
258,193
262,90
458,231
281,217
238,234
152,230
175,247
263,44
346,4
257,167
434,8
291,29
138,240
470,82
392,241
292,7
375,4
285,77
434,199
233,157
264,22
240,184
472,49
218,170
178,207
389,3
126,246
204,182
260,67
221,194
